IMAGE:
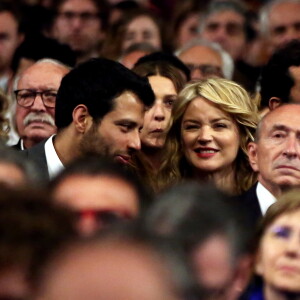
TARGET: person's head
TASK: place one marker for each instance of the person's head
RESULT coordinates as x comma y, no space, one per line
139,26
275,154
81,25
103,103
280,81
224,22
134,52
100,192
278,256
206,59
122,263
15,171
10,34
214,120
35,92
31,228
280,22
166,82
202,223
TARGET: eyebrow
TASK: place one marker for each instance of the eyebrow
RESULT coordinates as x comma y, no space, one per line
280,127
212,121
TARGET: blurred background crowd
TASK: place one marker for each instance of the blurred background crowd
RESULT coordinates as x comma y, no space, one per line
149,149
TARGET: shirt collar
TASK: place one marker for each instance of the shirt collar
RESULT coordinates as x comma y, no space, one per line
53,162
265,198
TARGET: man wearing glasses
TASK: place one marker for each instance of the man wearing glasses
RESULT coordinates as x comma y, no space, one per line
80,24
35,94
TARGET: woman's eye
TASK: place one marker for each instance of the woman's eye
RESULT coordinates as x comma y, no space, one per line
191,126
281,231
220,125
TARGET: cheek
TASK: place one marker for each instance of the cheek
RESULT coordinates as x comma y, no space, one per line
20,115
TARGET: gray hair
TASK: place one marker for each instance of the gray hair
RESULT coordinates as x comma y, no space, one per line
227,61
264,14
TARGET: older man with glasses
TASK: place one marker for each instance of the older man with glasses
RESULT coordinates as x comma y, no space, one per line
35,94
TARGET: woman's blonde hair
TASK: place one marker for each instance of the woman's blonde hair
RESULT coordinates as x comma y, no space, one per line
234,100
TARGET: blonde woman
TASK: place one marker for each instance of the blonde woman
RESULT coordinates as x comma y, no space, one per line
213,122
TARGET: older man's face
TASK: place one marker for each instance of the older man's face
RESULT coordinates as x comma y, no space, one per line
276,154
36,122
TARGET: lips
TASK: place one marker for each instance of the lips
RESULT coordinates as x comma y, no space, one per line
123,159
206,152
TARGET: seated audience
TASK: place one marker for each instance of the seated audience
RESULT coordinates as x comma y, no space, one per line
99,110
31,227
201,221
206,59
100,192
277,257
166,82
214,120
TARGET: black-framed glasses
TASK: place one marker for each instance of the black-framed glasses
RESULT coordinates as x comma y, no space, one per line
26,97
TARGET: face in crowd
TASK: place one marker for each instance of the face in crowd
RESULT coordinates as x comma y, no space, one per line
278,257
283,24
210,137
203,62
227,29
36,95
157,118
117,134
96,205
276,152
142,29
78,25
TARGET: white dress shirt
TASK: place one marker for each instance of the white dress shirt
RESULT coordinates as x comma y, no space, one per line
265,198
53,162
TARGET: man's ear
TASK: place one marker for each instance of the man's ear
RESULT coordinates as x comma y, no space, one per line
274,102
81,118
252,154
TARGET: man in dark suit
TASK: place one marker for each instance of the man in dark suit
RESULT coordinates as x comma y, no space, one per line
275,155
99,110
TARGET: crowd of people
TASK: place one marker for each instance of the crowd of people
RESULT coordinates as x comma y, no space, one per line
149,149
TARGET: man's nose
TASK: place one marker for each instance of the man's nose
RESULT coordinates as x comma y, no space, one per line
38,104
196,74
134,142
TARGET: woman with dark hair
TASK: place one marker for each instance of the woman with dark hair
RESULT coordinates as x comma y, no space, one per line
166,82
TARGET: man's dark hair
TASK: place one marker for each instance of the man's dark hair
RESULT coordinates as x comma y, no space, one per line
167,58
96,83
276,80
98,166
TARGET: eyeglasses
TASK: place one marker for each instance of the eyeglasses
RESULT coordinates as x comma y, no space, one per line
26,97
85,17
206,70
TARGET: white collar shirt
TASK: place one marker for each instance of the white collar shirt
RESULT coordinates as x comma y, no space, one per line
265,198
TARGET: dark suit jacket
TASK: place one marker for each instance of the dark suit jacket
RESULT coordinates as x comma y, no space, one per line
37,156
248,208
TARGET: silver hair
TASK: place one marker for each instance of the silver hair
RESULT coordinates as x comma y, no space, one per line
227,61
264,14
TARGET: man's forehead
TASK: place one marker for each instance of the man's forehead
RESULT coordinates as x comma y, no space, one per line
285,116
73,5
231,15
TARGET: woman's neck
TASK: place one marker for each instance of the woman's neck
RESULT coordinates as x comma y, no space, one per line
223,179
275,294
